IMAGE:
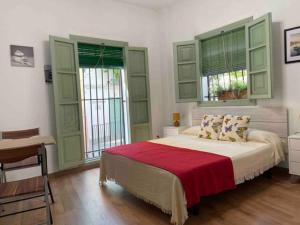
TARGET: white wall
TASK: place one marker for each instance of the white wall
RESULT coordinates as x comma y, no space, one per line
25,99
188,18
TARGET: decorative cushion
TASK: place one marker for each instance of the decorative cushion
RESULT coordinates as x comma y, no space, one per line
234,128
211,126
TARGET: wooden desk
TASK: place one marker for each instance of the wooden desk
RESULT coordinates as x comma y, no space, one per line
14,150
6,144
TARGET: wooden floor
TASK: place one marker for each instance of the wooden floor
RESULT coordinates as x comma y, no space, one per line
80,201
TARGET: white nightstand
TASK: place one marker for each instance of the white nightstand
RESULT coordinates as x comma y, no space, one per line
173,131
294,154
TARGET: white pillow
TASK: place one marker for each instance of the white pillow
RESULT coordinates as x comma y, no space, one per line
260,135
268,137
194,130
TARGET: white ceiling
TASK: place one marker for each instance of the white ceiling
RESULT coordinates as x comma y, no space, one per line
153,4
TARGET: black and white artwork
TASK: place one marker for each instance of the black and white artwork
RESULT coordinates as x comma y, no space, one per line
21,56
292,45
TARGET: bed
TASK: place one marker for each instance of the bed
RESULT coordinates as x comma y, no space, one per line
164,190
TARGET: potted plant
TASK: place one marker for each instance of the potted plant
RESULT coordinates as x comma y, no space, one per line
240,89
224,94
218,91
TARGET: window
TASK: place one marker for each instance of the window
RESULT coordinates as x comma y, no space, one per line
229,65
223,60
225,86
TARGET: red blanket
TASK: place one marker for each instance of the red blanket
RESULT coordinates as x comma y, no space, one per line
200,173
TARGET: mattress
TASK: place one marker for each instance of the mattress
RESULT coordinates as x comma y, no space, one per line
163,189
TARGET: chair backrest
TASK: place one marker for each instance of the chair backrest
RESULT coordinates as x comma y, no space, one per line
15,155
18,134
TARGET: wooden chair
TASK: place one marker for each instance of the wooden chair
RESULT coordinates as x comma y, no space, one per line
26,163
11,192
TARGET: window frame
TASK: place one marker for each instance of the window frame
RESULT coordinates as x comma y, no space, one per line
210,34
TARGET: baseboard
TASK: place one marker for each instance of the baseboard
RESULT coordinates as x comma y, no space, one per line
80,168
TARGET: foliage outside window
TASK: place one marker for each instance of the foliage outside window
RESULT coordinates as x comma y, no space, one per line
223,87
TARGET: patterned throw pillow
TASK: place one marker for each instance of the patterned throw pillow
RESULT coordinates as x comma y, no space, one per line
235,128
211,126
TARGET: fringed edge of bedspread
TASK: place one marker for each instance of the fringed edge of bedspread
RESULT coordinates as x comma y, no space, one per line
103,178
255,173
137,195
166,211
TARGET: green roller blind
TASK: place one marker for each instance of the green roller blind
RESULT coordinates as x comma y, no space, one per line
224,53
91,55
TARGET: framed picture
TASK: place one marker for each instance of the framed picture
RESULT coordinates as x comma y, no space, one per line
292,45
21,56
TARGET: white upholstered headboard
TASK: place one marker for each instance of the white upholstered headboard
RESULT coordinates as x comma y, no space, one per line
274,119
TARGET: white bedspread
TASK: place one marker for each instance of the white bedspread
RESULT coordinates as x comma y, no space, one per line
163,189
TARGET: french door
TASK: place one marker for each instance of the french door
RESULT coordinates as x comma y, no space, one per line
94,109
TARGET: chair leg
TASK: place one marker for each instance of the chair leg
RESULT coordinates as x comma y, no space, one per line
46,197
51,218
3,176
50,192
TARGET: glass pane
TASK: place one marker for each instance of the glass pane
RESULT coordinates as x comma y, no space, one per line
105,82
116,82
226,86
93,88
86,83
99,83
104,109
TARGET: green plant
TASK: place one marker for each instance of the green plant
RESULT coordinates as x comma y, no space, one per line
239,86
117,74
218,90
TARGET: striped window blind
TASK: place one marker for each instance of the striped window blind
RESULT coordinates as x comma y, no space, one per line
224,53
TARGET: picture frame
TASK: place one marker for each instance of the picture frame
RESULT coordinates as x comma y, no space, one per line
292,45
21,56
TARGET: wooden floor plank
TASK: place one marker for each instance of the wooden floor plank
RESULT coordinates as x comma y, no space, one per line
80,201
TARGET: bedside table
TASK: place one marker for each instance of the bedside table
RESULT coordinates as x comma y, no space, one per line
173,131
294,154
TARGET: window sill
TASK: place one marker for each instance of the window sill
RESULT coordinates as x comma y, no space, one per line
241,102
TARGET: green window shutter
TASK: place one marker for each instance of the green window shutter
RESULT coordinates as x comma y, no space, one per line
187,71
259,57
139,93
68,110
